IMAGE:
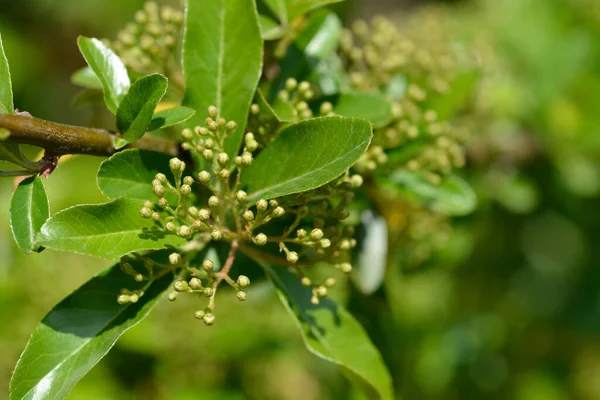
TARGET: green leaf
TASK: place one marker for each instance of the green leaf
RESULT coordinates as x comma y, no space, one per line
222,61
11,152
108,230
287,10
369,273
170,117
137,107
6,94
461,88
320,39
129,174
86,78
281,111
29,209
453,196
78,332
270,29
331,333
371,106
108,67
307,155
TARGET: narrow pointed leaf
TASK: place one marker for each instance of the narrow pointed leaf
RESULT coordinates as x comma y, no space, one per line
307,155
137,107
78,332
29,209
169,117
108,230
321,37
86,78
6,94
330,332
222,61
108,67
453,196
130,173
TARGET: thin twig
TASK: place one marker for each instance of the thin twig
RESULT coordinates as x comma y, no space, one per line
228,264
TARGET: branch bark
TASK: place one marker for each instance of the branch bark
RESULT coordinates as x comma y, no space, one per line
61,139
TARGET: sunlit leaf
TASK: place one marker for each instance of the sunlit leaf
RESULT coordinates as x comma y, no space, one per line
29,209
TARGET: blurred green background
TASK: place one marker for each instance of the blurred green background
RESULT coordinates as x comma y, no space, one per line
508,309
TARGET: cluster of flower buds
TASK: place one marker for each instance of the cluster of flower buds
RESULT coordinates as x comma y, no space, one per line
149,43
379,57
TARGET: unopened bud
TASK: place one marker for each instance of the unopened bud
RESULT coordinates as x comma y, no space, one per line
260,239
209,319
278,212
292,257
174,258
181,286
243,281
213,201
222,159
316,235
248,215
241,296
262,205
204,176
146,212
185,190
208,265
216,235
195,284
241,196
184,231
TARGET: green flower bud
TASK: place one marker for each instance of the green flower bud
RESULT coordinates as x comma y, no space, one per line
181,286
221,121
185,190
345,245
246,159
255,109
262,205
208,292
134,298
316,235
209,143
176,165
303,87
212,111
159,191
260,239
208,155
278,212
200,314
193,211
314,300
171,227
356,181
197,226
321,291
292,257
241,196
224,175
188,180
291,84
249,137
123,299
163,202
209,319
330,282
273,203
139,278
146,212
222,159
156,182
252,145
346,267
204,177
231,126
200,130
248,215
208,265
243,281
213,126
148,204
213,201
241,296
195,284
216,235
301,233
174,258
172,296
325,243
184,231
204,214
187,134
326,108
305,281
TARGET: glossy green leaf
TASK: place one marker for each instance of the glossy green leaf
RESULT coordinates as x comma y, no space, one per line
330,332
369,272
108,230
321,37
86,78
453,196
78,332
137,107
281,111
307,155
371,106
29,209
109,68
222,61
130,173
270,29
170,117
6,94
287,10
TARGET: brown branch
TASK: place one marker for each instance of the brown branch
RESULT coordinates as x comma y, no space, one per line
60,139
224,273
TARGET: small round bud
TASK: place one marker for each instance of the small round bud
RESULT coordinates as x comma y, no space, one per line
306,281
213,126
171,227
187,134
291,84
197,226
139,278
222,159
174,258
221,121
188,180
330,282
159,191
209,143
123,299
303,87
314,300
224,174
292,257
241,296
243,281
251,145
181,286
249,137
172,296
204,214
356,181
208,265
345,245
248,215
193,211
316,234
262,205
212,111
301,233
200,130
176,164
246,159
148,204
326,108
255,109
321,291
216,235
146,212
161,177
163,202
156,182
213,201
278,212
208,154
134,298
209,319
184,231
346,267
199,314
231,125
195,284
204,176
241,196
260,239
325,243
185,190
273,203
208,292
